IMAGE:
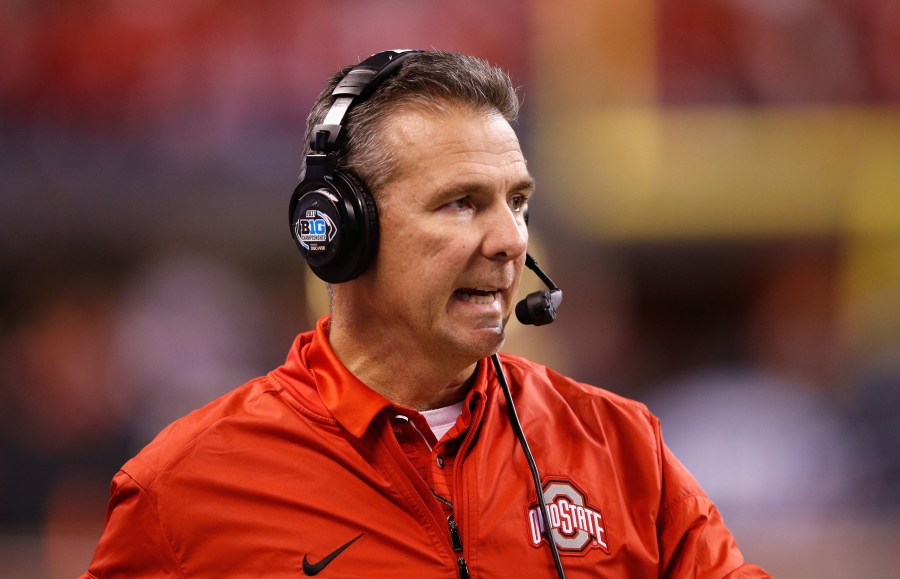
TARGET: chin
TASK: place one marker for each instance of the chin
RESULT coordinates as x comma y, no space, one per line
484,342
473,339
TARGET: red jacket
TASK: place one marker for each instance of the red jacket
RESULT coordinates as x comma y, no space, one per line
276,477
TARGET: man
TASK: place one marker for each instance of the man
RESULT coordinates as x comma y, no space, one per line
384,446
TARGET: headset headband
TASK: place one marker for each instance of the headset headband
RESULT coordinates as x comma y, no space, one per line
354,88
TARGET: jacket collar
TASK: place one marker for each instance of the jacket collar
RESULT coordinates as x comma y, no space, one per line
320,381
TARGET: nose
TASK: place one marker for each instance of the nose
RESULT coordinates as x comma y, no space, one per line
505,235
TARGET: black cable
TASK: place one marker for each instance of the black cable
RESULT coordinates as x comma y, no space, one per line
535,475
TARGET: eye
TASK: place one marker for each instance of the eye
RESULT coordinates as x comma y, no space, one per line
518,202
461,203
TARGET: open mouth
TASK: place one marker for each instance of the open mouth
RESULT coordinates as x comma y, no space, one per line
477,295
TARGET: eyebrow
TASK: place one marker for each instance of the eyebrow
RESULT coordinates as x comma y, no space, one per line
524,185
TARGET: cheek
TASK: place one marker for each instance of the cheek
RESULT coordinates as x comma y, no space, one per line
411,260
420,247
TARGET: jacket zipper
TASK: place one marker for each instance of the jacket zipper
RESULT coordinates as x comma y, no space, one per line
456,543
455,539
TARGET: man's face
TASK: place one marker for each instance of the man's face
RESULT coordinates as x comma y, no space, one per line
453,233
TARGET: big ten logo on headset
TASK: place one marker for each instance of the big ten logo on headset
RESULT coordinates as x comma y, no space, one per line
314,230
576,527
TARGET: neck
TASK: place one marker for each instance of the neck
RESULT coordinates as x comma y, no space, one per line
403,370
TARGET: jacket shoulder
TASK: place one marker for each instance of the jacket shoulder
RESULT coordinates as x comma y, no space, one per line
185,435
534,376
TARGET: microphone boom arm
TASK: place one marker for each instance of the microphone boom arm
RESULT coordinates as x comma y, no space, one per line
539,308
532,264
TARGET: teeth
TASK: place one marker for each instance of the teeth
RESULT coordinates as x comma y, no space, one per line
476,299
488,297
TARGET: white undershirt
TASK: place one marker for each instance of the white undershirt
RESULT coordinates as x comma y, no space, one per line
440,420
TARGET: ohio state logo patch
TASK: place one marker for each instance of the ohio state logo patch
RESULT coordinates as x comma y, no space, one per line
575,525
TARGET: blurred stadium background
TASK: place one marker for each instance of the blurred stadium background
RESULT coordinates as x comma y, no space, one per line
719,196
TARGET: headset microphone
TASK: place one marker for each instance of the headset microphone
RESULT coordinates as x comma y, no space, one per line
539,308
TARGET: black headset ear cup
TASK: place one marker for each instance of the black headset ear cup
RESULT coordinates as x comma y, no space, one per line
334,222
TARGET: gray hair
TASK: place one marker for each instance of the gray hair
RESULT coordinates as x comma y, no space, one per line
431,81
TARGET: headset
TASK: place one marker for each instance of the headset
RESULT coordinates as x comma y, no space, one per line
333,217
334,222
